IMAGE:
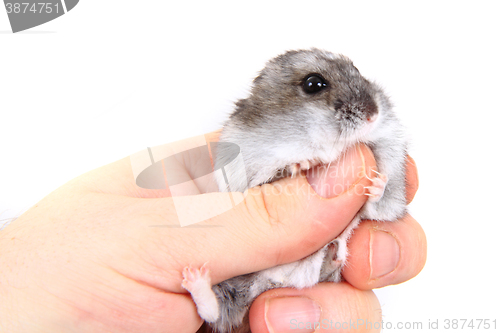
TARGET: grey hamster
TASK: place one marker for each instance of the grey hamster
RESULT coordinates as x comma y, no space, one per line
304,106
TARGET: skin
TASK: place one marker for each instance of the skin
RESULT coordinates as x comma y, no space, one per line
87,259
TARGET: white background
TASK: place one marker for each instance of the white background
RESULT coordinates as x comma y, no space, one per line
113,77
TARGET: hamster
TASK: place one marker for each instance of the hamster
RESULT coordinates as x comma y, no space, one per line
306,107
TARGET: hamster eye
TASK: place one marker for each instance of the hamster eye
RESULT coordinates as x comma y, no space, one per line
313,83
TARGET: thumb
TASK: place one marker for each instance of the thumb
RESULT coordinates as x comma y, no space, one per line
275,223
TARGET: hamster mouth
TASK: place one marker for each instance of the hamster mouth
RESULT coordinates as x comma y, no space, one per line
337,173
294,169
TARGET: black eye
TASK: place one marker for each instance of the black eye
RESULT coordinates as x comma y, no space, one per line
313,83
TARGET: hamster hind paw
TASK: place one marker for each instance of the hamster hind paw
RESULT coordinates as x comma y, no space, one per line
198,283
340,258
334,261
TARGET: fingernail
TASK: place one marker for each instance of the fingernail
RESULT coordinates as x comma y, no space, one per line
384,253
291,314
329,181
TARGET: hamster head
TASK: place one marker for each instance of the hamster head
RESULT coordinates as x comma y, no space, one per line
312,91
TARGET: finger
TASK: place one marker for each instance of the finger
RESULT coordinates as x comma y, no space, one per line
274,224
385,253
411,179
324,307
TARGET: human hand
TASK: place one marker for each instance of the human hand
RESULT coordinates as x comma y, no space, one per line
88,257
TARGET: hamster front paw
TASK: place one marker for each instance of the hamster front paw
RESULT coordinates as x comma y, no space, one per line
386,199
198,283
377,189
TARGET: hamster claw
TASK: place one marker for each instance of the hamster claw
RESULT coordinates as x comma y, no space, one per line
376,190
293,169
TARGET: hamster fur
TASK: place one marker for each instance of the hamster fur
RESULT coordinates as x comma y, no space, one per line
306,107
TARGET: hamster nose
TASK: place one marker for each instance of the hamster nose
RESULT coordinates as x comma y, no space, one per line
371,110
372,118
362,109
